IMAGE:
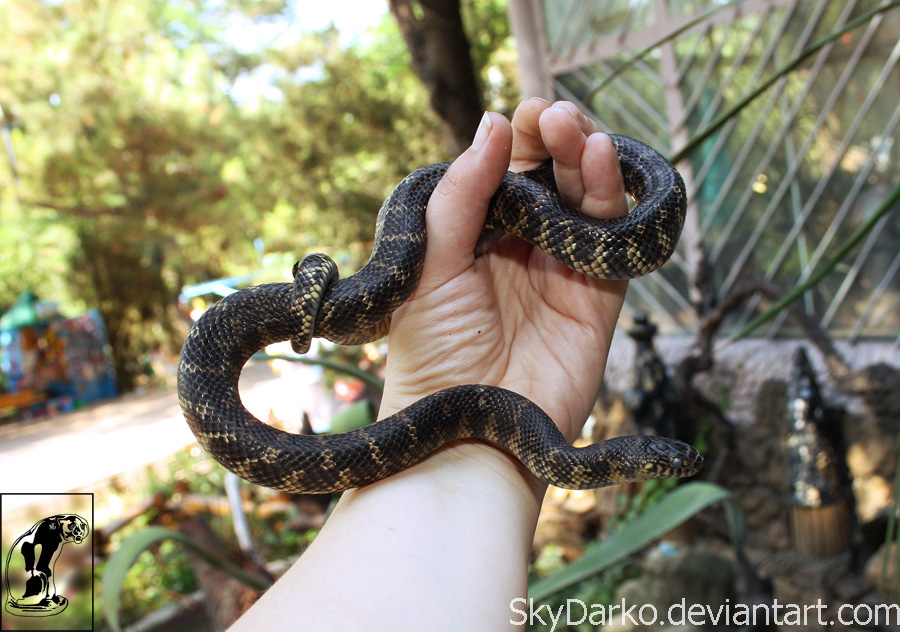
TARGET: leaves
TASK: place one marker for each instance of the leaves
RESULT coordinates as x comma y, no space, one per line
888,204
154,145
682,503
124,557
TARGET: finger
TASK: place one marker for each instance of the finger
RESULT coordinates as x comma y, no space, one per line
604,189
457,208
562,132
588,126
585,165
528,149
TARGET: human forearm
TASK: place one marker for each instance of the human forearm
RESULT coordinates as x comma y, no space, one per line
445,544
442,545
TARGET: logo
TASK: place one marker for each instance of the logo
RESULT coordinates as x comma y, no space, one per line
40,547
47,564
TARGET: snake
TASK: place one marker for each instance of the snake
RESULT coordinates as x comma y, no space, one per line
357,309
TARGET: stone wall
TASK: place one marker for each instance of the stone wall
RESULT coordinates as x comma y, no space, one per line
742,367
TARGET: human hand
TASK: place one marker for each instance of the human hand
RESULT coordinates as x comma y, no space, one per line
514,317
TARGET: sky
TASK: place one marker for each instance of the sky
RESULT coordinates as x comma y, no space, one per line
351,17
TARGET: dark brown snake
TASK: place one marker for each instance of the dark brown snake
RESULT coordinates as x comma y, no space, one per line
357,309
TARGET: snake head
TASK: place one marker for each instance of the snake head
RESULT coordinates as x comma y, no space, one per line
670,458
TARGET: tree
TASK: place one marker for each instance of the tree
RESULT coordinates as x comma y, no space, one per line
434,33
143,166
122,132
448,62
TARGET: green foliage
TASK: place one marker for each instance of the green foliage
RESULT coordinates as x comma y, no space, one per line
889,582
338,141
147,160
35,252
120,137
656,520
493,53
600,585
151,583
123,561
155,576
599,589
651,493
338,366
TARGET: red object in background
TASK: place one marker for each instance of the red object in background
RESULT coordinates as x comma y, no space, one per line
349,390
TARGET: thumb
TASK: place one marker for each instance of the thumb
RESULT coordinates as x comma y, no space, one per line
458,206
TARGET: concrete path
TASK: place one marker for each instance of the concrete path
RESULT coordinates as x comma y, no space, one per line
83,448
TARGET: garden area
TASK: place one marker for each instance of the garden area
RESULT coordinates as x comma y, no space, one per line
164,160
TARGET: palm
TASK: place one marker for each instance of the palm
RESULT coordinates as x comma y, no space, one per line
514,318
518,319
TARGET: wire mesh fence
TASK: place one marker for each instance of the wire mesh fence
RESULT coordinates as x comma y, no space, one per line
777,189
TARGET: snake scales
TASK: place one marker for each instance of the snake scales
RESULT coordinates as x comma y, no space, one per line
357,309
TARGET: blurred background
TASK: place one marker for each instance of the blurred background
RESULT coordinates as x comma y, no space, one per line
156,155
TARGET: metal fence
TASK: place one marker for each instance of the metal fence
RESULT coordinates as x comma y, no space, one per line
779,188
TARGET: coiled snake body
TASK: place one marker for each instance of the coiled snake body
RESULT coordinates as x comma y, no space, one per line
357,309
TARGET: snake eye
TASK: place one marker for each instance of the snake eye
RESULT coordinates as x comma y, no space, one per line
678,462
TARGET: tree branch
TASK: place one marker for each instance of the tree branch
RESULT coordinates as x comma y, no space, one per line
837,366
441,58
76,211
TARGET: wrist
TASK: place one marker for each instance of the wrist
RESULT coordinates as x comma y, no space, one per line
472,471
471,465
481,458
457,524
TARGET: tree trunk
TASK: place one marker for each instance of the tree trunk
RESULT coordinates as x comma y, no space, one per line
434,34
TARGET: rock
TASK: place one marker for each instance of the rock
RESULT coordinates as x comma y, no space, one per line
776,536
863,458
580,502
874,572
558,525
675,577
771,402
879,385
851,587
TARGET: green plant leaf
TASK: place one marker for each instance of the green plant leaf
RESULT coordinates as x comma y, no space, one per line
124,557
355,416
683,503
789,67
628,63
890,563
886,205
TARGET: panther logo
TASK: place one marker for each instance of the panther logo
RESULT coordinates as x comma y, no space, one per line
39,548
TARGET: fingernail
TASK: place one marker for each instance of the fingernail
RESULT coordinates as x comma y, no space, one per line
484,130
